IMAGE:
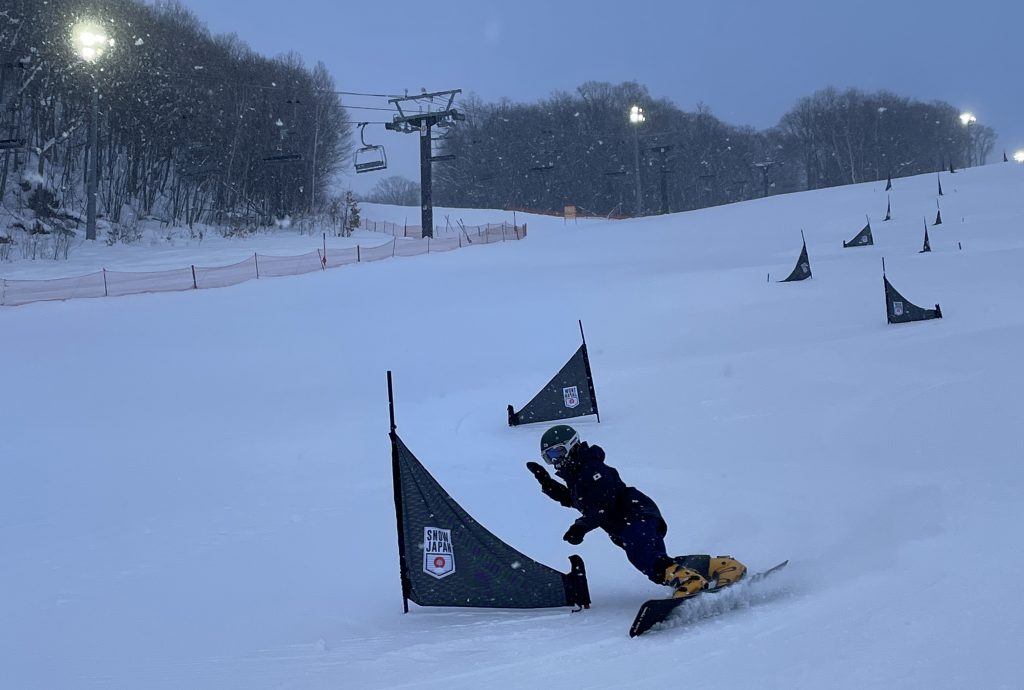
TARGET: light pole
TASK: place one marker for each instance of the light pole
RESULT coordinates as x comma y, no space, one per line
968,119
636,118
91,42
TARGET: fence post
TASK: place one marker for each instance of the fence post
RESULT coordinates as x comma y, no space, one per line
194,285
394,246
105,283
257,260
323,259
357,254
428,245
3,290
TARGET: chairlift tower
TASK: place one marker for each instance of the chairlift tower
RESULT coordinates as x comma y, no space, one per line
422,123
765,167
662,150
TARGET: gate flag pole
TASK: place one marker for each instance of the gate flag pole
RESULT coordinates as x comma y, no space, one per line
403,566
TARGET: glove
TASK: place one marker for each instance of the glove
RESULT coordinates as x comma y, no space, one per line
549,486
539,472
575,534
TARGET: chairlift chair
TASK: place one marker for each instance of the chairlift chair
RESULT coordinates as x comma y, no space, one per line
369,157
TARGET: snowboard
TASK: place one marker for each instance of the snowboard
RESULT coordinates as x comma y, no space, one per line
656,611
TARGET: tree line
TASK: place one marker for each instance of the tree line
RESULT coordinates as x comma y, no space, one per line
580,148
200,128
192,127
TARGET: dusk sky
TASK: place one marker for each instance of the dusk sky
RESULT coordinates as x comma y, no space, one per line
749,61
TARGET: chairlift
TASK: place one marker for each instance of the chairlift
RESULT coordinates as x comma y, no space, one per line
369,157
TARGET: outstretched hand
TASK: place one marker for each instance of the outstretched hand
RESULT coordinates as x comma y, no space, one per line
551,487
538,471
575,535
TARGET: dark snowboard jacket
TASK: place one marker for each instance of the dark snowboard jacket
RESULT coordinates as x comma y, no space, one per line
595,489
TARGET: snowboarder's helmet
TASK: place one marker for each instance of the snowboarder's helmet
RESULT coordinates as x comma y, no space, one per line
557,444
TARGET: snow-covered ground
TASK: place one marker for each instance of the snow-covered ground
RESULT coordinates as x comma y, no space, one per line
163,248
195,488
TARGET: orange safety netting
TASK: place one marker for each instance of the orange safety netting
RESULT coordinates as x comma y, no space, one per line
130,283
224,276
406,242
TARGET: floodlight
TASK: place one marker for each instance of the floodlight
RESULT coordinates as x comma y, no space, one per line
90,41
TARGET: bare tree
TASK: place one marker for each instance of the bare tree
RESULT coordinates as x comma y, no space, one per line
396,190
192,128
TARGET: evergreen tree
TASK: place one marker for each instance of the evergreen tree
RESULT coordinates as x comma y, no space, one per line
352,220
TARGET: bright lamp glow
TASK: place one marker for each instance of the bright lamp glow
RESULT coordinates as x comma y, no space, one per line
90,41
1019,156
968,118
636,115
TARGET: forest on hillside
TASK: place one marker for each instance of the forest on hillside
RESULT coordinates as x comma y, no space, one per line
581,148
191,127
194,128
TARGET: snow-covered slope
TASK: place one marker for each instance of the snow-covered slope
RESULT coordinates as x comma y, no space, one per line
195,488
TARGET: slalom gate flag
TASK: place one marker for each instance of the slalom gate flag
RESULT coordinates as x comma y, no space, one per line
448,559
862,238
802,270
899,310
569,394
927,243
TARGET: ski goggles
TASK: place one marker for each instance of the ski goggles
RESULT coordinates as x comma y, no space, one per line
557,455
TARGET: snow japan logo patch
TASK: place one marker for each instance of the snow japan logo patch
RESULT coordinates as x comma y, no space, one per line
897,308
438,554
571,397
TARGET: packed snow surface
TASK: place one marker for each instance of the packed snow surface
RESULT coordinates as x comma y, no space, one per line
195,488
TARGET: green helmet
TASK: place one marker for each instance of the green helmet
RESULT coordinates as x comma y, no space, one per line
557,444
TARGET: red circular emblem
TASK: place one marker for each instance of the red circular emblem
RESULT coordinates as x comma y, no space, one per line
439,562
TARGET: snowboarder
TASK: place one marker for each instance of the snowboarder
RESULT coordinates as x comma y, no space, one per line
630,517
